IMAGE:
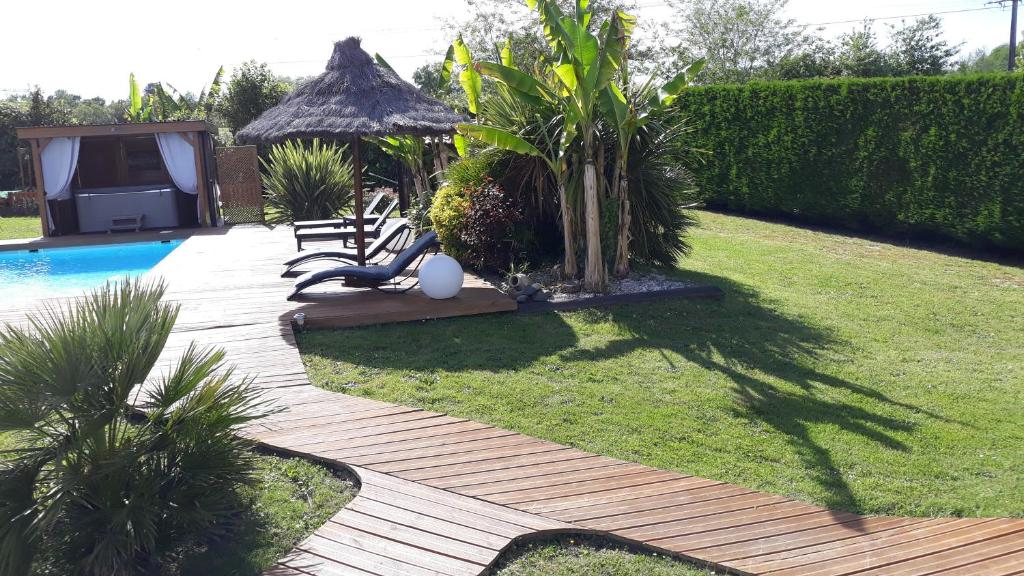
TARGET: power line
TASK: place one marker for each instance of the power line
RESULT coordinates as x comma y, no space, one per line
663,4
902,16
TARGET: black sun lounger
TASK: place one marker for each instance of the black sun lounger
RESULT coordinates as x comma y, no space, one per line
369,217
386,278
343,234
393,236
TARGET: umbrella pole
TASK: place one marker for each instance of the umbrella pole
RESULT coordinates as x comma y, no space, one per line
357,185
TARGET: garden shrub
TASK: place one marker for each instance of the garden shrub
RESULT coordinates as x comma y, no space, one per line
477,225
489,229
448,218
303,182
923,157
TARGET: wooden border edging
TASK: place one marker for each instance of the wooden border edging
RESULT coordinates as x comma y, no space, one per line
688,292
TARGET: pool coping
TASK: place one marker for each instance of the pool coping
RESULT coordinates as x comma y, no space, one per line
102,239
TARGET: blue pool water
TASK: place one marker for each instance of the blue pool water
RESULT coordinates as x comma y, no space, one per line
70,271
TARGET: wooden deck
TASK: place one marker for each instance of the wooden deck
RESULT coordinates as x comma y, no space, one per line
444,495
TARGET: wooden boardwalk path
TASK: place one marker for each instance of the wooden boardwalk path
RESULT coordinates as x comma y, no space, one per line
444,495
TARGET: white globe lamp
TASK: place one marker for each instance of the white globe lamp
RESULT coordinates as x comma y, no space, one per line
441,277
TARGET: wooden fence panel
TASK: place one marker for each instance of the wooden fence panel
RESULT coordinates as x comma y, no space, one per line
241,191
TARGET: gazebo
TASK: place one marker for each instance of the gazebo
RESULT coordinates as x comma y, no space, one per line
353,98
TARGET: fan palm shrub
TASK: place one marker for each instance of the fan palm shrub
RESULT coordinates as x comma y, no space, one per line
105,489
307,182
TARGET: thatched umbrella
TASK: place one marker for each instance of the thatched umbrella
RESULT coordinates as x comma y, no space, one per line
355,97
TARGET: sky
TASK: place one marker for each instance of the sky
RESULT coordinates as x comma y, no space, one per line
89,48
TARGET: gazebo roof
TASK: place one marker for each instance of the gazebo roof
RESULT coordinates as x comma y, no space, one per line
356,96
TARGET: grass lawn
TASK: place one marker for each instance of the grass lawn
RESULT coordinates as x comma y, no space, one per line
13,227
570,558
845,372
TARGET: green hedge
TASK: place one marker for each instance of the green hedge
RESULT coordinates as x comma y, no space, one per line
921,157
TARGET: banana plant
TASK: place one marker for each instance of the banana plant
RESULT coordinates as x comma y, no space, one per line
628,114
139,109
541,90
166,103
585,65
408,150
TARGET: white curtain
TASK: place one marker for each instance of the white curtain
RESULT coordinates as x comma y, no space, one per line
59,159
180,160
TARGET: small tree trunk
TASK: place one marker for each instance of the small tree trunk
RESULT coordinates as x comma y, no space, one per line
594,277
444,154
438,165
567,234
421,193
625,219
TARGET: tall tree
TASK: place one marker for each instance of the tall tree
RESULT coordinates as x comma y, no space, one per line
741,40
918,48
859,55
253,90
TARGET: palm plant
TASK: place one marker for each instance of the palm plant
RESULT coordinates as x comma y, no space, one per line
114,490
303,182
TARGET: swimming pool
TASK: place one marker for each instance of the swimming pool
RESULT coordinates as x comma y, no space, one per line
70,271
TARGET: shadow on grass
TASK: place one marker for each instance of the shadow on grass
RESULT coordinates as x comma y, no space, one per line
740,337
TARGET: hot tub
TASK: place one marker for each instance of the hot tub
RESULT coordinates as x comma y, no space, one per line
98,207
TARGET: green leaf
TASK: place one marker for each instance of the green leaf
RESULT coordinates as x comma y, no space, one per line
499,138
615,106
671,90
472,83
506,54
461,145
448,64
583,46
134,99
567,74
462,53
520,81
384,63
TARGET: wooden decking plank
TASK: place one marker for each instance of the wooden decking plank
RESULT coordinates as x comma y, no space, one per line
750,533
510,515
680,520
416,536
669,493
301,562
790,542
305,439
438,441
964,557
489,490
417,456
354,553
488,464
479,520
1009,565
396,549
858,556
455,524
525,449
582,461
588,487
